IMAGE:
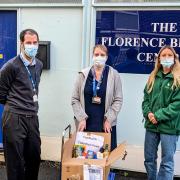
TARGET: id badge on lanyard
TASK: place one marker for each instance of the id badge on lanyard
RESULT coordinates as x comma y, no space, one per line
35,97
96,99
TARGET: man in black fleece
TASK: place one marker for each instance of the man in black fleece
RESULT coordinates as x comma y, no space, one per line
19,81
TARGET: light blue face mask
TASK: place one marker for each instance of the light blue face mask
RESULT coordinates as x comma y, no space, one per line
30,50
167,62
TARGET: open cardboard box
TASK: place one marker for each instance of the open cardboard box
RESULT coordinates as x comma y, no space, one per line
74,166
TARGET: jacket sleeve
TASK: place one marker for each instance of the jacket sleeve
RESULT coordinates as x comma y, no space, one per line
116,105
172,110
146,104
78,110
7,75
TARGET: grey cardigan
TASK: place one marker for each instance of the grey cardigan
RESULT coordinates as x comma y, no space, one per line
114,97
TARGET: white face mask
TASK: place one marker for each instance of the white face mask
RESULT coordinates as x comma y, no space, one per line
167,62
99,61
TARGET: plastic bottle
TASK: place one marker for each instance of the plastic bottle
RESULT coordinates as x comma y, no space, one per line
106,151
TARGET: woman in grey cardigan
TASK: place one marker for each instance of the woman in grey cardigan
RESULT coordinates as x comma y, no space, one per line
97,96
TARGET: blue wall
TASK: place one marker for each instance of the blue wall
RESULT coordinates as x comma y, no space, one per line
8,43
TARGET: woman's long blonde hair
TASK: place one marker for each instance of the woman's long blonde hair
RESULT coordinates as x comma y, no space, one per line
175,70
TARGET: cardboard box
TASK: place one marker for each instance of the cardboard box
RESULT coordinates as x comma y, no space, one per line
74,166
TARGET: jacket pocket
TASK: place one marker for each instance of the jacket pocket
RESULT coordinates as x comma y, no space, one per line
177,123
167,126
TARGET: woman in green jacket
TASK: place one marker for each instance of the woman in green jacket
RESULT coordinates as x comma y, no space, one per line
161,110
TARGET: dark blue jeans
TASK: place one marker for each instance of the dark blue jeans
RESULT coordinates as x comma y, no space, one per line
168,149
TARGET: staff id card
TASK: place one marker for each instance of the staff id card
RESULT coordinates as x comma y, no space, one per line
35,98
96,100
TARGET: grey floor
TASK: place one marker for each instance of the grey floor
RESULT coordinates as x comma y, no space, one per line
48,171
51,171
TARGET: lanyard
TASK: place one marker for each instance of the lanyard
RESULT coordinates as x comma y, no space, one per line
31,78
96,86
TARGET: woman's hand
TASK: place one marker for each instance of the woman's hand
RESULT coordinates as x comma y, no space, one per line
82,125
152,118
107,126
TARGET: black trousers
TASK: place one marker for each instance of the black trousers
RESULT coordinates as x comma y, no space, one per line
21,141
113,138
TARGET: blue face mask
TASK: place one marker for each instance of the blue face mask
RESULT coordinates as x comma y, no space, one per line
30,50
167,62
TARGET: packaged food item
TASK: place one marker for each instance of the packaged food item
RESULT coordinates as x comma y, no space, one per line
101,149
84,154
78,150
106,151
81,157
90,154
99,155
95,155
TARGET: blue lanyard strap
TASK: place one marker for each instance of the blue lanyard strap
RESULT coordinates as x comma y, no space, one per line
96,86
31,78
